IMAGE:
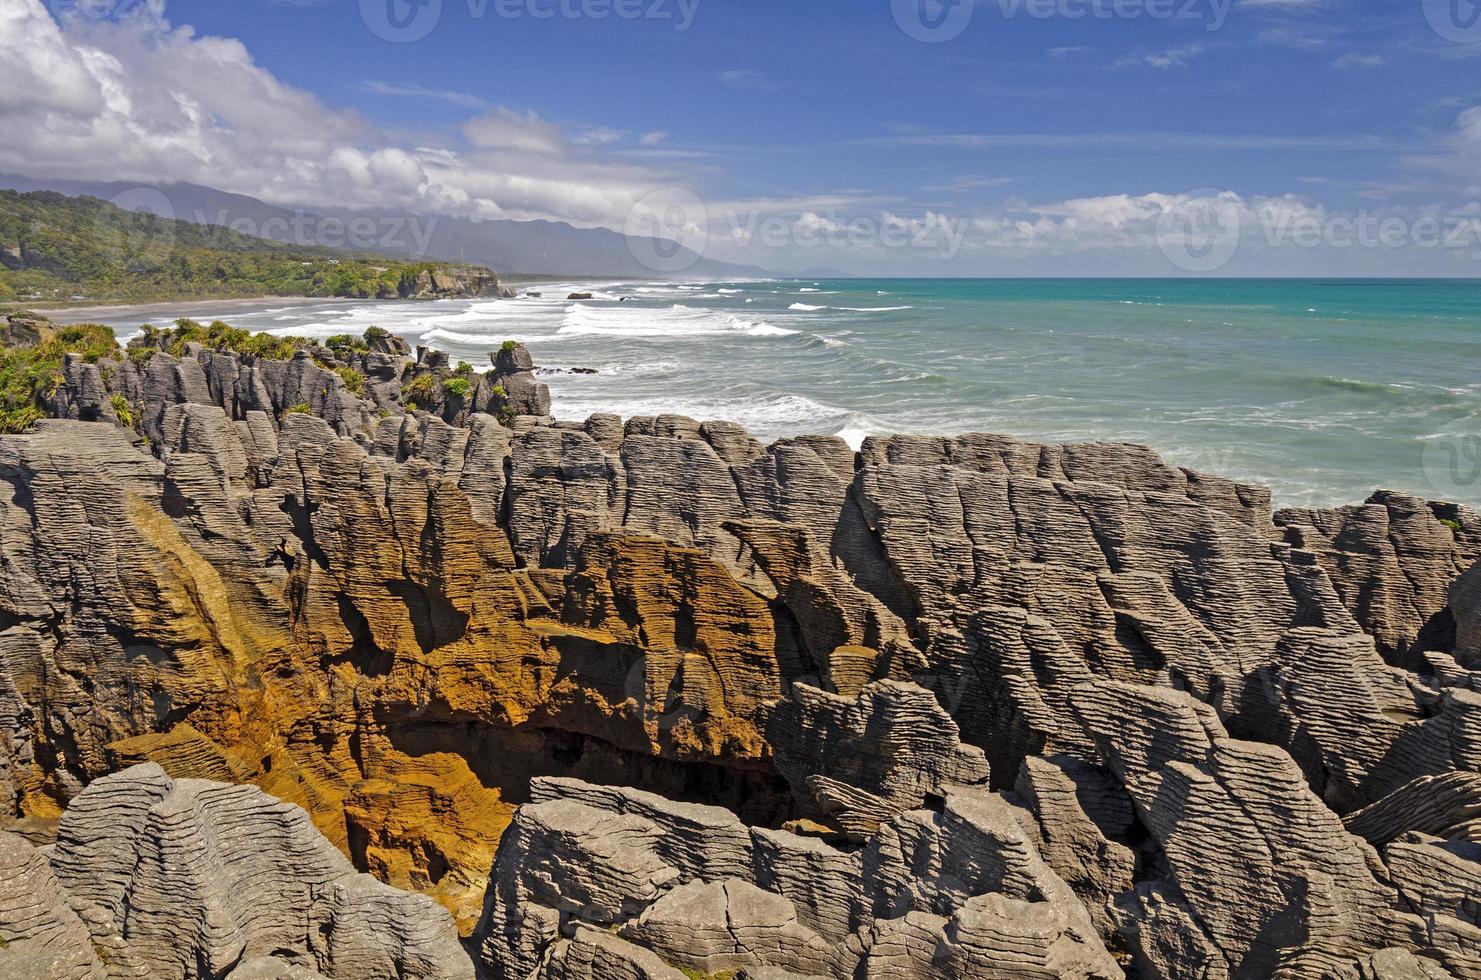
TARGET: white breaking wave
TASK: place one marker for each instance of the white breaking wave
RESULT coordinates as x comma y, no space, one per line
807,308
489,340
676,321
765,415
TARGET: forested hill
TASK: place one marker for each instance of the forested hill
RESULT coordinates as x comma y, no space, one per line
55,248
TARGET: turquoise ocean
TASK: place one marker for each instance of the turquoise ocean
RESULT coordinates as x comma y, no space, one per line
1322,389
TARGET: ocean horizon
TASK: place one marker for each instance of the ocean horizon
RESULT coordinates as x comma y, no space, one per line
1324,389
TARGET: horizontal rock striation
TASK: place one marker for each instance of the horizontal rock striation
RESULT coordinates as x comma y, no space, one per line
163,879
639,698
962,892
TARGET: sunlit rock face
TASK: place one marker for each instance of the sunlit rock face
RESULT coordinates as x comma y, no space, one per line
939,708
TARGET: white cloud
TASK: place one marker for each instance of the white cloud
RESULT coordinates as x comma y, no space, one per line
654,138
968,182
744,78
142,100
1356,59
508,129
1169,58
465,100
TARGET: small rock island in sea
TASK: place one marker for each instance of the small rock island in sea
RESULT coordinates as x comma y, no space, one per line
334,660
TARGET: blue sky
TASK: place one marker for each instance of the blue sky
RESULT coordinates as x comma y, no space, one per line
1037,141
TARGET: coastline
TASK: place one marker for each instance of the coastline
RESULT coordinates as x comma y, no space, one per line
169,310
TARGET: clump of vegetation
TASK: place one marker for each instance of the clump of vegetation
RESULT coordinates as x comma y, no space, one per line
1453,525
343,343
28,373
456,387
503,411
354,380
372,334
123,410
463,370
301,408
222,336
422,389
508,346
16,420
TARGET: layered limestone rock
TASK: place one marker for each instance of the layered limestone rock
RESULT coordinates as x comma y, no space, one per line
960,892
943,707
163,879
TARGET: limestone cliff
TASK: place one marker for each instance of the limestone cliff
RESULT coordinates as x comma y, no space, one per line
942,707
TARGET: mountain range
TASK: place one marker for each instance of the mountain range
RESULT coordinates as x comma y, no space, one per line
519,248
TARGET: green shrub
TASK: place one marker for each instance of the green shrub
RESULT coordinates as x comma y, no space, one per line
422,388
13,420
509,345
123,410
373,334
342,343
354,380
27,373
1453,525
464,369
456,387
221,336
503,411
301,408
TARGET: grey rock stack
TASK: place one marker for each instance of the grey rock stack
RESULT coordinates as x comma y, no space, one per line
165,879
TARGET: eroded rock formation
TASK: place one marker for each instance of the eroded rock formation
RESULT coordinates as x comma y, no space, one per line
939,708
164,879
